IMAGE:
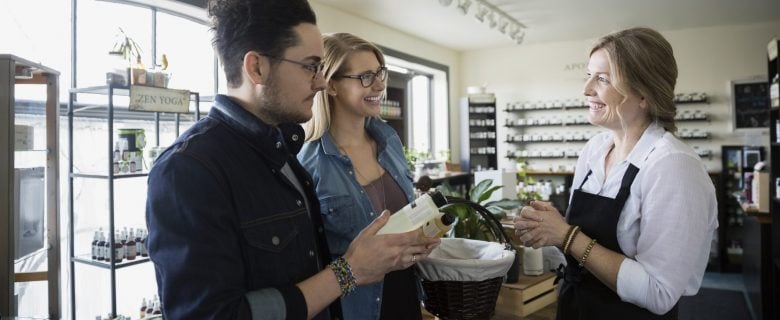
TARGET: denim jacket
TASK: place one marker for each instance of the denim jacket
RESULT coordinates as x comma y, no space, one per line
346,208
229,234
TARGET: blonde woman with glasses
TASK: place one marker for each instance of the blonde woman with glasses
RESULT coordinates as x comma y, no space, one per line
359,170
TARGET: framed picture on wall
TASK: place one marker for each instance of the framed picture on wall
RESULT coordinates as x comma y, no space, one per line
750,104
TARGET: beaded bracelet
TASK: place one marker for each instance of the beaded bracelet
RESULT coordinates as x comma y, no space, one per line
344,275
587,252
573,230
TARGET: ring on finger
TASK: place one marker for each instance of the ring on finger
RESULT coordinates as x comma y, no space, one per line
414,258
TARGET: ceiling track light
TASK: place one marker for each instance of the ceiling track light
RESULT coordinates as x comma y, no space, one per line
492,23
482,11
513,31
519,37
502,24
495,17
464,5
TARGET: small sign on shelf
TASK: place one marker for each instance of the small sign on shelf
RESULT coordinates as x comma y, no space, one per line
143,98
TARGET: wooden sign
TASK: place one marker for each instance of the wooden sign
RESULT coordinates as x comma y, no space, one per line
144,98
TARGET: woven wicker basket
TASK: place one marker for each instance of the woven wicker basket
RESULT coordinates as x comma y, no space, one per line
466,300
462,299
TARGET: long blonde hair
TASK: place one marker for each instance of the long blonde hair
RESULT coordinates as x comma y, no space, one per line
642,62
338,46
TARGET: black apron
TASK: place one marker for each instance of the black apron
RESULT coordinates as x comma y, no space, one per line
582,295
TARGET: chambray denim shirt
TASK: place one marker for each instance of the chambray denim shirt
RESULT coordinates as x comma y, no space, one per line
346,208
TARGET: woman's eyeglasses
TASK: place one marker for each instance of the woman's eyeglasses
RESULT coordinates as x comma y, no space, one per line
368,78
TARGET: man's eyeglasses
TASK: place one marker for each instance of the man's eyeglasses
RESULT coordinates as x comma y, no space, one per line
367,78
314,67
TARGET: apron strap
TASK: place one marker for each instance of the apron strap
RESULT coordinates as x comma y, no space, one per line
625,185
586,179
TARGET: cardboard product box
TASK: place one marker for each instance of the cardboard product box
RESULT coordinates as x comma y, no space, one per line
760,190
23,137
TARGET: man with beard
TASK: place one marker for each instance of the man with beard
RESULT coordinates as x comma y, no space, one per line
234,223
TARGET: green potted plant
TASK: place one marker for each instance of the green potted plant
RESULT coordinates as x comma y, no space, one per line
411,157
471,224
123,51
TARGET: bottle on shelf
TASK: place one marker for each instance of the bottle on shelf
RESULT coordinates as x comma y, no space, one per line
130,247
119,251
117,156
141,239
142,312
101,247
95,240
132,163
156,308
124,152
150,307
546,191
124,236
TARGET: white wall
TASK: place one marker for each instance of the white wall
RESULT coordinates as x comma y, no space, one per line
707,58
330,19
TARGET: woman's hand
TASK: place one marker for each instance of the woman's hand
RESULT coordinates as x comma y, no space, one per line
540,224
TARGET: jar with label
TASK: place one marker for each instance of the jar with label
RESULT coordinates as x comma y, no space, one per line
777,130
777,188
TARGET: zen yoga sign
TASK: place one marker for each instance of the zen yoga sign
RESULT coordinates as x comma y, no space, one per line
159,99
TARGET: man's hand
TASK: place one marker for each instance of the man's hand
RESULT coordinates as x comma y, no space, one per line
371,256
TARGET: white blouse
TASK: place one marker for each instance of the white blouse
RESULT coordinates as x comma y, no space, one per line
668,222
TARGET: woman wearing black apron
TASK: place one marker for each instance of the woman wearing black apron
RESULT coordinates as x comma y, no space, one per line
637,232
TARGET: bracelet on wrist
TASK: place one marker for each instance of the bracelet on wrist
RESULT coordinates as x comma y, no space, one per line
344,275
587,252
570,235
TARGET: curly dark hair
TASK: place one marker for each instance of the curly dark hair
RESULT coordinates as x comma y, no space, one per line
265,26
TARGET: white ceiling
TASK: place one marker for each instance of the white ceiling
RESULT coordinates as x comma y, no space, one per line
554,20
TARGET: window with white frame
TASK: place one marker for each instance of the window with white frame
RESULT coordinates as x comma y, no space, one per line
41,31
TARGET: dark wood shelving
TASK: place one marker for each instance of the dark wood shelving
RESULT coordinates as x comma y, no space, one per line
761,276
472,160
